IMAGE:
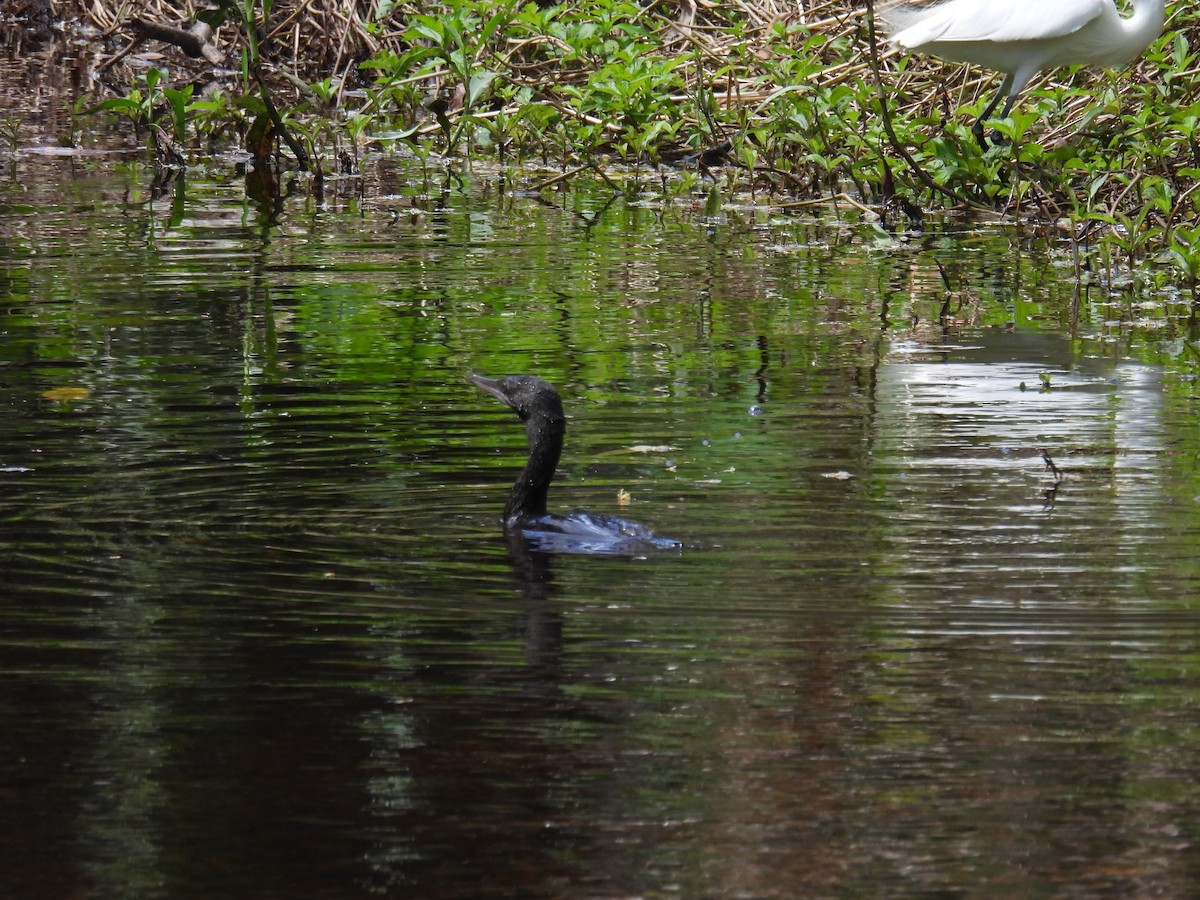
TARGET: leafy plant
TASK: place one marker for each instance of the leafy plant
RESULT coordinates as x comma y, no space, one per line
1183,252
137,105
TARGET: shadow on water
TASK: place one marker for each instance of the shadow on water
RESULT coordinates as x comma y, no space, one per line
262,635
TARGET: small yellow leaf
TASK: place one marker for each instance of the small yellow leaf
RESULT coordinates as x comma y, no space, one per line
67,394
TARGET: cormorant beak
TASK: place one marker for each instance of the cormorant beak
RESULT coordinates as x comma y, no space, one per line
491,385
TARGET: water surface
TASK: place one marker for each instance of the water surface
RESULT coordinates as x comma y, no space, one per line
262,636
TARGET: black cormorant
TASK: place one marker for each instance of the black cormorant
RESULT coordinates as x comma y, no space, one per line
537,404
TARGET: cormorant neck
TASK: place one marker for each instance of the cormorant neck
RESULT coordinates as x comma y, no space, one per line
528,496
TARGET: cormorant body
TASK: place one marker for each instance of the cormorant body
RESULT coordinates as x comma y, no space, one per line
539,407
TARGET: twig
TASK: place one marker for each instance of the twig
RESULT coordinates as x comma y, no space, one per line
561,176
1055,470
281,129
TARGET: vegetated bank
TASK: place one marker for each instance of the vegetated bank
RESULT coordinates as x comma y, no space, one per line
797,101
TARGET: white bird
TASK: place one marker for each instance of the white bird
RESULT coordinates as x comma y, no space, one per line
1022,37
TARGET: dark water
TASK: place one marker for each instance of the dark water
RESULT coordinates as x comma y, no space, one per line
260,635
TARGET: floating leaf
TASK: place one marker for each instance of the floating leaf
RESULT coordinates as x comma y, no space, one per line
67,394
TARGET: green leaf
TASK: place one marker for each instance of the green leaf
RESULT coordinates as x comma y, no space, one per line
477,86
117,104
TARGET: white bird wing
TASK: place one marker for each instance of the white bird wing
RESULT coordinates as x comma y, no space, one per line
997,21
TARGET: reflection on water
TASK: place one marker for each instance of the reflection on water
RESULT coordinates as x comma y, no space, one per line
262,635
1015,449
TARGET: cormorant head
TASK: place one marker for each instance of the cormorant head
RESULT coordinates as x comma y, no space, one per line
530,397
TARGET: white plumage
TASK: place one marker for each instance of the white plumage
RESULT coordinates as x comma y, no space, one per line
1022,37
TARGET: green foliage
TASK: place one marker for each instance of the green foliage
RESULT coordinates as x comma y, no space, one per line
597,79
177,108
150,102
1183,251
